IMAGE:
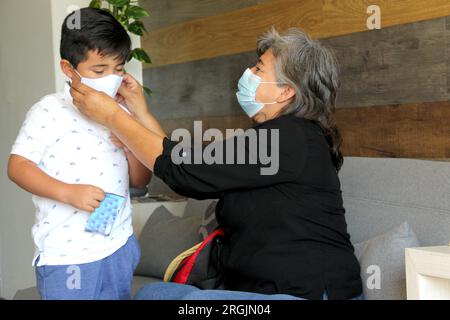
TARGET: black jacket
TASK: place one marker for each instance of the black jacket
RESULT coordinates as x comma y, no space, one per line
285,233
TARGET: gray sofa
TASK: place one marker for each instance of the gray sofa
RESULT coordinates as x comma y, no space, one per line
380,195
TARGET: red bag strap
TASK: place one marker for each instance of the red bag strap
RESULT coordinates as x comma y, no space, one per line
182,277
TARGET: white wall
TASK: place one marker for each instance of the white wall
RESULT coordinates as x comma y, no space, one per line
29,69
26,74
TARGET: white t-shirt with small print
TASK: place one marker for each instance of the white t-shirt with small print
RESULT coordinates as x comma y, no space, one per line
71,148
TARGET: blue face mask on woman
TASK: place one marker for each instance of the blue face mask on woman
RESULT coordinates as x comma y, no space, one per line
248,84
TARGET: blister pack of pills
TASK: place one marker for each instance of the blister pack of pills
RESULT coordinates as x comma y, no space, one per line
102,219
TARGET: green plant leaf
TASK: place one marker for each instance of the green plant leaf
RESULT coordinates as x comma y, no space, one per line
136,12
97,4
123,19
119,3
148,91
140,55
137,27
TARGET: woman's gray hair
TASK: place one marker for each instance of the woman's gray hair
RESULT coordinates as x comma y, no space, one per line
313,72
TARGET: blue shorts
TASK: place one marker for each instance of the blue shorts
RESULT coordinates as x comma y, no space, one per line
106,279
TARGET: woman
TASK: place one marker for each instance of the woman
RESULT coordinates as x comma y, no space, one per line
285,233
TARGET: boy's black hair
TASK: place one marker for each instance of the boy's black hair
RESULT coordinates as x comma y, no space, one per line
96,30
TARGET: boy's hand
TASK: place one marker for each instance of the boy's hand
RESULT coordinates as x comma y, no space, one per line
84,197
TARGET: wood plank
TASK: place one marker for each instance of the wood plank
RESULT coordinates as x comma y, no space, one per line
237,31
448,56
221,123
419,130
403,64
205,88
164,13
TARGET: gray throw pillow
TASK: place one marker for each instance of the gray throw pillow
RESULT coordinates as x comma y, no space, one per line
209,222
382,260
197,207
164,237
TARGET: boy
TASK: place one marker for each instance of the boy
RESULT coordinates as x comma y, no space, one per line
68,163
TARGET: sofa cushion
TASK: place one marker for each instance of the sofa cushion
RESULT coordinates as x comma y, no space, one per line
209,221
163,237
196,207
380,193
27,294
382,260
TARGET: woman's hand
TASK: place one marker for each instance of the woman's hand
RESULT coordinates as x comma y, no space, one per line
95,105
132,94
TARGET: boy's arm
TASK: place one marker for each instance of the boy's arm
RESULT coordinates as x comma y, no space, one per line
140,175
28,176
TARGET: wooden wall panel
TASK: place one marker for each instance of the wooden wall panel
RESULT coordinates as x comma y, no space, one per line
221,123
447,54
402,64
399,131
164,13
396,131
237,31
406,63
205,88
391,78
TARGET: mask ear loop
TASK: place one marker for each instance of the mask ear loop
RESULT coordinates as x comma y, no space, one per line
277,82
69,82
274,82
73,68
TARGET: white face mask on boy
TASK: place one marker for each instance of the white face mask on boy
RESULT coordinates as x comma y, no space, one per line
109,84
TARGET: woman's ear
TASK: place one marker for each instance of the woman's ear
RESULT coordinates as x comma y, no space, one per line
287,94
67,68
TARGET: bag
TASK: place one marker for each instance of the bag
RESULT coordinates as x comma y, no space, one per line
200,265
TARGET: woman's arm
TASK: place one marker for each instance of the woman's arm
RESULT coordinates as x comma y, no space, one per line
131,94
198,180
145,144
150,122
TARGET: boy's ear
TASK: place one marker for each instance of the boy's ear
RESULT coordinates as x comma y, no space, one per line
67,68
